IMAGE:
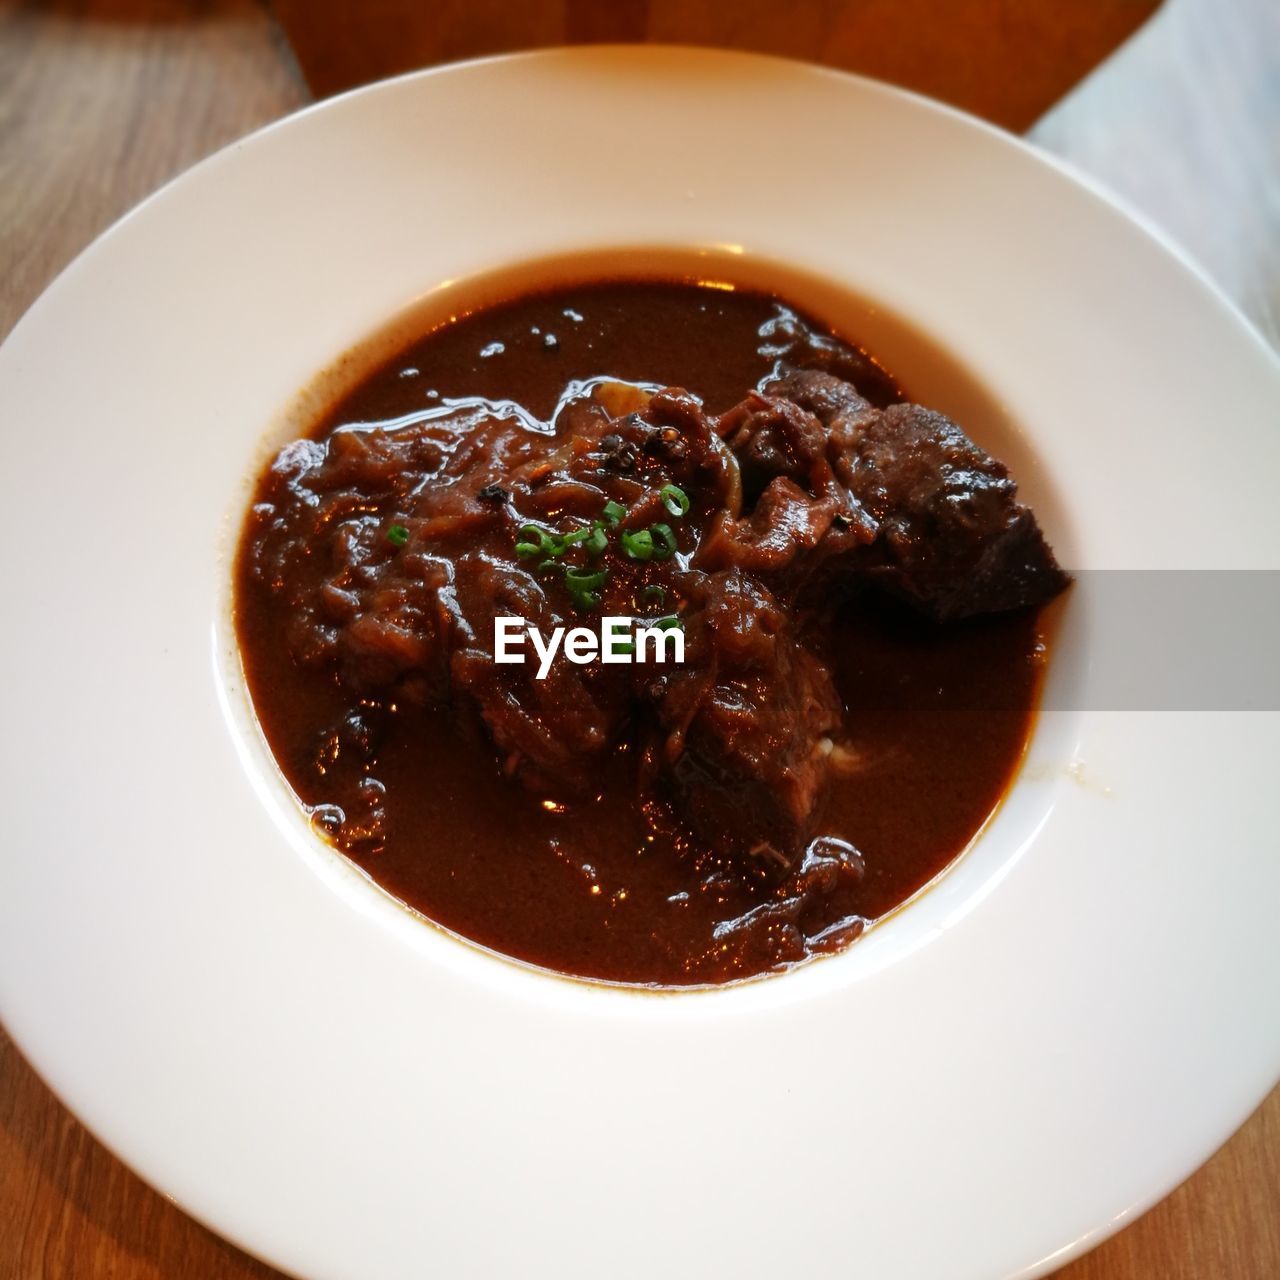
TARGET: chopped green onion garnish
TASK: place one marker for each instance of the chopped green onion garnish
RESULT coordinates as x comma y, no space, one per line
637,543
397,535
654,594
545,565
671,623
574,535
664,541
613,512
583,585
535,541
598,541
674,499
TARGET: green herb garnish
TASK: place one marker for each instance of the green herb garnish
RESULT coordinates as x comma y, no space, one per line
584,585
670,623
664,541
613,512
637,543
654,594
537,541
598,542
397,535
674,499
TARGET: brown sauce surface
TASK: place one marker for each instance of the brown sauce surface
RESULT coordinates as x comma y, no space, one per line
935,719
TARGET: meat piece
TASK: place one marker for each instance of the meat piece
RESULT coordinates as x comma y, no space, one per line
785,522
792,344
794,498
954,541
935,518
837,405
797,427
744,757
548,732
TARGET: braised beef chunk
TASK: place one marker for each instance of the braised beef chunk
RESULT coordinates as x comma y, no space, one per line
548,732
794,345
953,539
947,531
745,720
793,498
838,405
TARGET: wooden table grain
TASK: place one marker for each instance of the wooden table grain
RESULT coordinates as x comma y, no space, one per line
103,100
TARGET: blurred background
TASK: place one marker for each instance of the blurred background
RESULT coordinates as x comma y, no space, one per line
1174,107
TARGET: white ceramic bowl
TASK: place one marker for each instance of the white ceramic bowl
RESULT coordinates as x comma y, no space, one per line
1035,1050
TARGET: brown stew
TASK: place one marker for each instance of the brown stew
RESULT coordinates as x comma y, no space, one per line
856,584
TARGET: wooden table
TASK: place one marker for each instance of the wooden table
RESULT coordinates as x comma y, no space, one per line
102,100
